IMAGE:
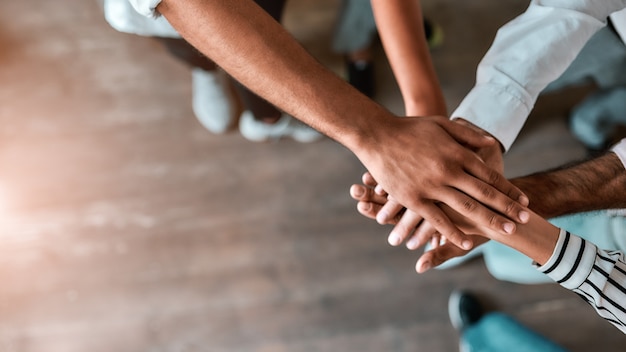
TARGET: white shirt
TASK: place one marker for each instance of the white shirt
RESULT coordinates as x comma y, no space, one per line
121,15
146,7
527,54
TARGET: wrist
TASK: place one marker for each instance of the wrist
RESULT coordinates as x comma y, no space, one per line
367,135
425,106
479,129
541,197
535,239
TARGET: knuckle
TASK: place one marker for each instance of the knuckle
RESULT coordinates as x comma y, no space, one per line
487,192
444,168
437,221
469,205
494,177
494,220
511,207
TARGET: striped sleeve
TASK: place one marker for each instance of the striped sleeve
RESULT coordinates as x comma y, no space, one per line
598,276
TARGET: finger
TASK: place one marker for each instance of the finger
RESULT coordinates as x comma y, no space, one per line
480,214
496,180
436,217
424,233
404,228
369,180
435,240
366,194
491,196
368,209
466,135
438,256
390,213
379,190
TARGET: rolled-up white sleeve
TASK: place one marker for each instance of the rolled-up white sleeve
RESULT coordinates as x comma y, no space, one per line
620,150
146,7
527,54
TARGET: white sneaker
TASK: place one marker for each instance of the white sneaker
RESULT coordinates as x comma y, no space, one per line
286,126
213,102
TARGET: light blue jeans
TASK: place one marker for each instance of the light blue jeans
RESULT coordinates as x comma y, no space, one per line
355,27
497,332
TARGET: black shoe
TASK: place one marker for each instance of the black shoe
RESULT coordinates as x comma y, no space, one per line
361,76
464,309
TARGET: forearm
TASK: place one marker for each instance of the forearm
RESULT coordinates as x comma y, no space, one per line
400,25
257,51
592,185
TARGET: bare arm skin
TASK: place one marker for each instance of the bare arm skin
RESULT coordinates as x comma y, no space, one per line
595,184
420,161
401,29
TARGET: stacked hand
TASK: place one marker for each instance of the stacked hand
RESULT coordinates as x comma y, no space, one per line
460,193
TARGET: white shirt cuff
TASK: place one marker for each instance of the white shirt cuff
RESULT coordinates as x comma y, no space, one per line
620,150
496,109
146,7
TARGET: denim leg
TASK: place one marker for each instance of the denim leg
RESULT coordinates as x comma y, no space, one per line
355,26
497,332
594,120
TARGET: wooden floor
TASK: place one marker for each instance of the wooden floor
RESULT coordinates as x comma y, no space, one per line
125,226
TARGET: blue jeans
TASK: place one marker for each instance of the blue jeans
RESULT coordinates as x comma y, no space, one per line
497,332
356,26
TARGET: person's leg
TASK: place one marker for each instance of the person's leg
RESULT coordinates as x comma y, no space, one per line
355,27
491,332
212,101
260,109
262,121
594,121
185,52
354,32
497,332
507,264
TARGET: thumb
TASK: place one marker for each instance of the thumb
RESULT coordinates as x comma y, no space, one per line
466,133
